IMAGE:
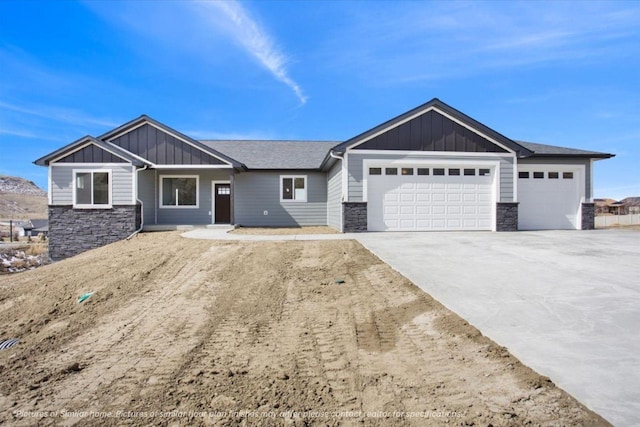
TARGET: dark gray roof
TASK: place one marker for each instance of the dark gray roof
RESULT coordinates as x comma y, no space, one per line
39,223
275,154
543,150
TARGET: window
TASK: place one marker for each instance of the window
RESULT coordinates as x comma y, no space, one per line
567,175
391,171
484,172
375,171
553,175
454,172
293,188
538,175
92,189
469,172
524,175
438,171
423,171
224,190
179,191
407,171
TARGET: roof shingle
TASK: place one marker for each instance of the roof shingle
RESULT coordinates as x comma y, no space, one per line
275,154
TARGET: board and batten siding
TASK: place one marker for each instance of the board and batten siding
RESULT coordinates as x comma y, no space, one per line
547,161
257,192
121,183
149,193
334,196
356,170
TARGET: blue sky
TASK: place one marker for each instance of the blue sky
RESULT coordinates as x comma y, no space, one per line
561,73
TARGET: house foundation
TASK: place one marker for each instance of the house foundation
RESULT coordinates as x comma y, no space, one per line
73,231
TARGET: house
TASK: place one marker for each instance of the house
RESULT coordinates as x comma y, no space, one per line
33,227
431,168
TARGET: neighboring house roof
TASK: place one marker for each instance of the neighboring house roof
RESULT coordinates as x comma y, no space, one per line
39,223
441,106
78,144
275,154
543,150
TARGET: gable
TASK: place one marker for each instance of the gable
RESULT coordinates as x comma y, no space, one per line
162,148
91,154
431,131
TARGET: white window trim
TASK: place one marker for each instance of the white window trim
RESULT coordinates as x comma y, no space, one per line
306,189
92,171
197,205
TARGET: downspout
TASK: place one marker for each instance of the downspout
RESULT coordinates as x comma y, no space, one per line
141,204
342,185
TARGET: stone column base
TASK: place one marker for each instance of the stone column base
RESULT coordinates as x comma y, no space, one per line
73,231
507,216
354,217
588,216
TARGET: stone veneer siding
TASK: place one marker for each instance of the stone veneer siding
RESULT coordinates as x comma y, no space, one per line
588,216
73,231
354,217
507,216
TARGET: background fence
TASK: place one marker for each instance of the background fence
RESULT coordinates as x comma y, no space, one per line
609,220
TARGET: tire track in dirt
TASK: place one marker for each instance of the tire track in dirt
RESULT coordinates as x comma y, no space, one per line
136,347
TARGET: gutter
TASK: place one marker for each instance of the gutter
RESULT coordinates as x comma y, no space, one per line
141,205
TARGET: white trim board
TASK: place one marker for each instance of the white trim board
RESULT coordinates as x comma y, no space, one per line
433,153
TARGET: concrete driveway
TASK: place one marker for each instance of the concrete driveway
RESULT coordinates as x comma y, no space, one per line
566,303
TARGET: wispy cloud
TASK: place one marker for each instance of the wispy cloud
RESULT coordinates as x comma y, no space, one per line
254,39
64,115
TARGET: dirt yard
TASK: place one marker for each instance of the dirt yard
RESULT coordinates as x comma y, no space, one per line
188,332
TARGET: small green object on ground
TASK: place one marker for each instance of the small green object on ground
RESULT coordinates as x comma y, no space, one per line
339,281
85,297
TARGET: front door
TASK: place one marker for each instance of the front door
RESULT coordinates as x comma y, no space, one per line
222,200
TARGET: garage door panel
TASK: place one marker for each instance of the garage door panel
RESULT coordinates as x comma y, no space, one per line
428,202
407,210
454,210
546,203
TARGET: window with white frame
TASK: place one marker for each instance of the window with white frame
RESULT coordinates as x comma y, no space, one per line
293,188
92,189
179,191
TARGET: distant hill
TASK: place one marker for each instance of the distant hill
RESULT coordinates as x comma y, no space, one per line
631,201
21,199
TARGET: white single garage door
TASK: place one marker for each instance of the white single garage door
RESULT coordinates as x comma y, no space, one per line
426,198
549,197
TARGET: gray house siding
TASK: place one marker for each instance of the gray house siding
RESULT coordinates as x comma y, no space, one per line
334,196
562,161
149,194
257,192
355,170
162,148
121,183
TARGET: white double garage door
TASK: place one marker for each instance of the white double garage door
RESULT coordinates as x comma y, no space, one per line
430,197
463,197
